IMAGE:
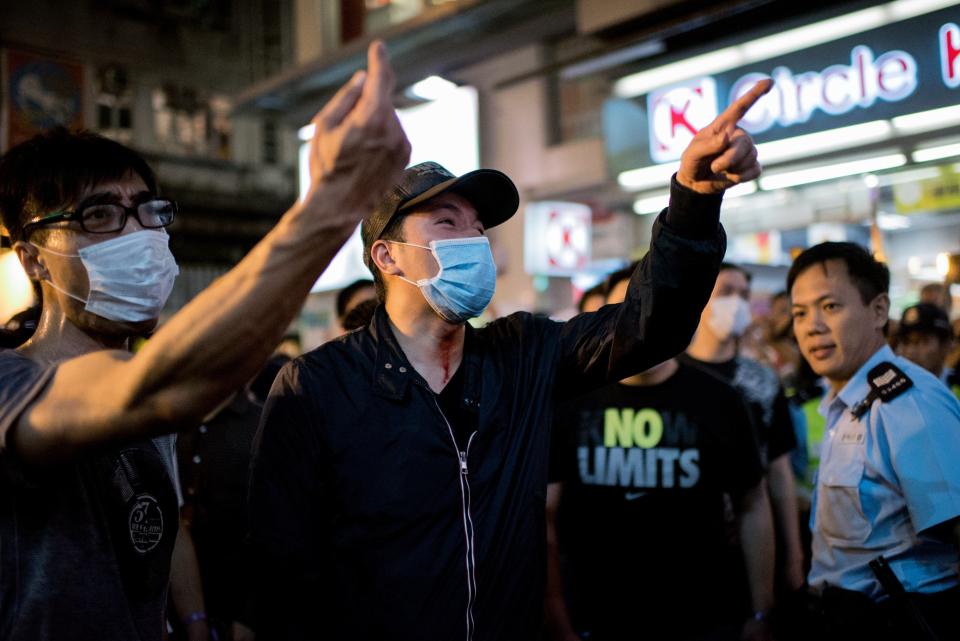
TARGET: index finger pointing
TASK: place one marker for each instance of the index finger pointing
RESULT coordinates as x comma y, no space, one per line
739,108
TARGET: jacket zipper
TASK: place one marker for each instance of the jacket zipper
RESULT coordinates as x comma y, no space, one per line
467,522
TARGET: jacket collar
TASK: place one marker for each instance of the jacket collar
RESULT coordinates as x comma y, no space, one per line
393,373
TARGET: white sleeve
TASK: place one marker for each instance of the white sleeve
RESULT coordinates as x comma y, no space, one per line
167,445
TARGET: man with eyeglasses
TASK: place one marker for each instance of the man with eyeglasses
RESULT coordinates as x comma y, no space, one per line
88,511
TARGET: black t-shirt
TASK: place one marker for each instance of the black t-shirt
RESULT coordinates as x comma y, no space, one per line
641,522
85,546
763,393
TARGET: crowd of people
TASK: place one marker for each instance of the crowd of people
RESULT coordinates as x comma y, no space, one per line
664,465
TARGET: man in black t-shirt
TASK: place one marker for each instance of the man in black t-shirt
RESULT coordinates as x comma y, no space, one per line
638,471
714,348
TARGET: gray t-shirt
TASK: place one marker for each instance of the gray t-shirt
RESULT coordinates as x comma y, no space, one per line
85,546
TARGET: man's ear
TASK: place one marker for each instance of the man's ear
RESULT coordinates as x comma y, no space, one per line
380,254
31,261
880,306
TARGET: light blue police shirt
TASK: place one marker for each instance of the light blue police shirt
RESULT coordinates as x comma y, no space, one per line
883,480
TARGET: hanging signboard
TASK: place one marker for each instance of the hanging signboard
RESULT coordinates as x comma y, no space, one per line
941,193
40,93
557,238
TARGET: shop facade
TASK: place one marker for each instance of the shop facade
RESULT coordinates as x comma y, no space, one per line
860,137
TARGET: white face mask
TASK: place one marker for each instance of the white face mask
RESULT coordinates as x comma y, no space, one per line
131,276
729,317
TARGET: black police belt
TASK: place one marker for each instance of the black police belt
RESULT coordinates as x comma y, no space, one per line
887,381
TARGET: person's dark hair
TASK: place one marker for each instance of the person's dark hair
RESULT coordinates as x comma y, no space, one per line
345,294
393,231
931,289
869,276
600,289
622,274
360,315
937,294
779,295
263,381
724,266
50,171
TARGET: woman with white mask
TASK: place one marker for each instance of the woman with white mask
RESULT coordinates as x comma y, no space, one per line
715,348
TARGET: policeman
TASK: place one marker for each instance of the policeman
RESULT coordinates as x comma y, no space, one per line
889,482
926,337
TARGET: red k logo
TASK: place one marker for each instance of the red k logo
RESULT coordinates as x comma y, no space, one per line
568,238
677,113
950,54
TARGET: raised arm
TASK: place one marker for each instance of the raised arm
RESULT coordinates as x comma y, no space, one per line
672,284
222,337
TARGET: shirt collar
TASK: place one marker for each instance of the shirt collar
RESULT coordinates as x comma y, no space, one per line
858,387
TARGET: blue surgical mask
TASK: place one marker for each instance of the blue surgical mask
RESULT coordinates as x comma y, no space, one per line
463,287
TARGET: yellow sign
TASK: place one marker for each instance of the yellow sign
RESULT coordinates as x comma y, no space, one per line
930,195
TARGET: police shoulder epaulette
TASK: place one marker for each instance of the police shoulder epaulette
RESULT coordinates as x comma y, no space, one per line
887,381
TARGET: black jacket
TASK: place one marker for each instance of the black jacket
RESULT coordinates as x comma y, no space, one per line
368,522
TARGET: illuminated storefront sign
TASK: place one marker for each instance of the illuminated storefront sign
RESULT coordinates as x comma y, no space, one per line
836,90
908,67
557,239
677,113
940,193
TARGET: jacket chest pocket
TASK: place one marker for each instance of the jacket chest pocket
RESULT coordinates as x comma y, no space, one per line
840,513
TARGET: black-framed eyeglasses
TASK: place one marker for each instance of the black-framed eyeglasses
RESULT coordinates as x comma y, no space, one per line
109,218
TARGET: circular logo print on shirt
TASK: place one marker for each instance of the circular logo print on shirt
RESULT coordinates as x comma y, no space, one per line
145,522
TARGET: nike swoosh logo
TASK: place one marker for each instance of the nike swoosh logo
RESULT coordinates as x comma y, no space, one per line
632,496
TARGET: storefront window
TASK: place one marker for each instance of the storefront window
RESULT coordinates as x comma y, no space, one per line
575,104
114,103
186,123
368,17
578,107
